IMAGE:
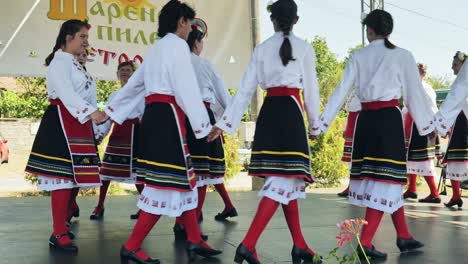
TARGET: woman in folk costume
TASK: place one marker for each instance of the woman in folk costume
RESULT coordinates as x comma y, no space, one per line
452,119
167,81
121,153
381,74
280,151
208,158
422,151
64,155
353,107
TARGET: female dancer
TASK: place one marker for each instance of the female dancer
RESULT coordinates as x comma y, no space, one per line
280,151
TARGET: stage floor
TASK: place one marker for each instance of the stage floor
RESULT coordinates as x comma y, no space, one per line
25,226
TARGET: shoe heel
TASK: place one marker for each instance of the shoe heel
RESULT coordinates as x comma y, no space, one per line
238,259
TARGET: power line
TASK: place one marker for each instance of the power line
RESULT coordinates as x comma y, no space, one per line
429,17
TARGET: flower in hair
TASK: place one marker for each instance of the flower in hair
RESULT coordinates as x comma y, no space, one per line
88,25
422,67
270,4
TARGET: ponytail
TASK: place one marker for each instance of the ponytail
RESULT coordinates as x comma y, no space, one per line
285,51
389,44
284,12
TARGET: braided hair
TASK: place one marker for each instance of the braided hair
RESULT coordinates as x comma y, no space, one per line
285,13
382,24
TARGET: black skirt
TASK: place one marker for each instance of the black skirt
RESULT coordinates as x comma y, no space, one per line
457,149
421,148
207,158
163,158
50,155
379,151
280,147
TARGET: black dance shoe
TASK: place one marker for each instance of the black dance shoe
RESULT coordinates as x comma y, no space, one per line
97,214
408,244
135,216
411,195
201,250
229,213
371,253
242,253
298,255
430,199
54,243
131,255
452,202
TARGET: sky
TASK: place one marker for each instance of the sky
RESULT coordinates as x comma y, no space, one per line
433,35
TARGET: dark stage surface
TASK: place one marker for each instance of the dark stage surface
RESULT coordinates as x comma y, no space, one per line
25,226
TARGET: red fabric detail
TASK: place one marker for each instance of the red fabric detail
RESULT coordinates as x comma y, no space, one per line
408,124
143,226
456,190
399,221
266,210
379,104
121,136
178,220
60,200
74,129
412,182
201,199
291,212
221,189
103,193
432,186
190,222
351,122
73,205
373,218
285,91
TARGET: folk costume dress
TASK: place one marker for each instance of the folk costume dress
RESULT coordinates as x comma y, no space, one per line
381,76
64,153
280,151
167,82
452,116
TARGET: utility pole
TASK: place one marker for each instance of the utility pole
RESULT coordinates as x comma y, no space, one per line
257,99
368,6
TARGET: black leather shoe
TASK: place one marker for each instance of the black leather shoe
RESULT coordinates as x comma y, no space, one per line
298,255
229,213
181,234
199,249
97,214
131,255
430,199
243,253
452,202
71,235
135,216
408,244
54,242
411,195
371,253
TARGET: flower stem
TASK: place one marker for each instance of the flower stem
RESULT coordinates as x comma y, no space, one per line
362,249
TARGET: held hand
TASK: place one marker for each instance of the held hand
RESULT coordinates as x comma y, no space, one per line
214,134
433,134
99,117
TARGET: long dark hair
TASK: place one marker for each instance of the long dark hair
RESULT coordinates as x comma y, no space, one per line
195,35
69,27
382,24
170,15
285,12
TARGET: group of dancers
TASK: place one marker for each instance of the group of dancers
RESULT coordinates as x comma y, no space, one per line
165,138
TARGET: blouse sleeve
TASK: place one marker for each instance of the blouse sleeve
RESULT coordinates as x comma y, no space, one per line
311,91
59,79
453,103
416,98
187,92
338,97
232,116
220,91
